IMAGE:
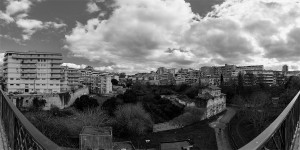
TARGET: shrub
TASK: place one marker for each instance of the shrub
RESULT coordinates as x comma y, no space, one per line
85,102
110,105
133,119
65,131
185,119
38,104
55,111
191,115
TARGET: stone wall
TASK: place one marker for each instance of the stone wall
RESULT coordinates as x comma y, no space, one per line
54,99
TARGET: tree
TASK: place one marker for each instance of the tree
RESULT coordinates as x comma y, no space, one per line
133,119
222,80
114,81
38,104
240,83
238,100
122,75
85,102
293,83
258,114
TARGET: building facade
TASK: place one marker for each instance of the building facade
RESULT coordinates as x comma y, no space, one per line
70,79
27,72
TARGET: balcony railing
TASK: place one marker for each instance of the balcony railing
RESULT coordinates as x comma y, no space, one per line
56,62
55,77
28,76
73,76
280,134
56,71
36,57
28,71
28,66
21,134
56,67
29,61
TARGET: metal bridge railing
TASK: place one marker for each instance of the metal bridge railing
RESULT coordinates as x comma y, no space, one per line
21,134
280,134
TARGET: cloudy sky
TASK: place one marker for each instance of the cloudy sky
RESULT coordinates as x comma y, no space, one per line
141,35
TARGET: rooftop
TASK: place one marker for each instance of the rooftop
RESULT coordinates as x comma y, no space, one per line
127,145
30,52
90,130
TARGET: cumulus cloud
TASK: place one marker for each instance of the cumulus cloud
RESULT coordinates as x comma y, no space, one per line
14,6
17,11
92,7
30,26
1,57
139,33
5,17
72,65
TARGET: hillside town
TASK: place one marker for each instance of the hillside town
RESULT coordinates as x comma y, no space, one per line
32,76
41,72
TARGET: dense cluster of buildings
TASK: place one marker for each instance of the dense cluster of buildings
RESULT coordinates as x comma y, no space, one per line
213,75
26,72
42,72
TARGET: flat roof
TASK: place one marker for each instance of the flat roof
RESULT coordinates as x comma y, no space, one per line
90,130
126,145
29,52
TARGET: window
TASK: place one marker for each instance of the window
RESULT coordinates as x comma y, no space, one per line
11,78
43,84
31,84
26,84
57,84
17,84
12,84
51,84
17,78
37,84
43,78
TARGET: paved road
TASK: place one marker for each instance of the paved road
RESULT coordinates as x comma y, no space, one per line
3,139
220,131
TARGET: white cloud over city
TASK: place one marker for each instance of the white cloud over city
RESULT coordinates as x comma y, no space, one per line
17,11
138,34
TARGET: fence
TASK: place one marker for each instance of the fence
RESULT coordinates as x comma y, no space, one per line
21,134
280,134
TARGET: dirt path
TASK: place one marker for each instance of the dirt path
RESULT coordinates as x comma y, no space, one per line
220,129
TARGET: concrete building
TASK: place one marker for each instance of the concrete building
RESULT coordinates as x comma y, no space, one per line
32,71
70,79
161,70
212,100
253,67
104,84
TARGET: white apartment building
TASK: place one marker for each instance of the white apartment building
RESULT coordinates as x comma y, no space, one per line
70,79
32,71
105,85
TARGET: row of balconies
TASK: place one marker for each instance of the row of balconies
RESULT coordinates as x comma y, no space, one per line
36,57
35,76
35,61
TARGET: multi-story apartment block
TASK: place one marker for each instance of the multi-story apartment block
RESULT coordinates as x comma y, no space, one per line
254,67
104,84
70,79
32,71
